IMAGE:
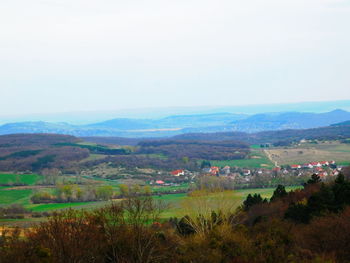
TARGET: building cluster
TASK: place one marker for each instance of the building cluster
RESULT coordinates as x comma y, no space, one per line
322,168
313,165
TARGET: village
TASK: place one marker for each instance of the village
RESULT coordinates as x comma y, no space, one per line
324,169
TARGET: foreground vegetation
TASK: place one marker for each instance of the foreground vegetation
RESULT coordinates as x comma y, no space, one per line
306,225
44,199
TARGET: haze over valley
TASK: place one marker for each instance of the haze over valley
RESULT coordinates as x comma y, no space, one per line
188,131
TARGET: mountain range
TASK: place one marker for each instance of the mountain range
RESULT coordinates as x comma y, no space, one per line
182,124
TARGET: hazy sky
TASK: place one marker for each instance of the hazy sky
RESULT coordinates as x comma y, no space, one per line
73,55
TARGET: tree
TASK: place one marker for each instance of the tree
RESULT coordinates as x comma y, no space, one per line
280,192
78,193
65,192
124,189
185,159
298,212
252,200
50,175
205,164
314,179
184,226
204,208
104,192
147,190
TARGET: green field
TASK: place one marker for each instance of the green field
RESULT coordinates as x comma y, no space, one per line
344,163
255,146
175,200
154,155
27,179
8,197
60,206
169,188
257,159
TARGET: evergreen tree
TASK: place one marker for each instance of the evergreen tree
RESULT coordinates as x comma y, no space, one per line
314,179
280,192
252,200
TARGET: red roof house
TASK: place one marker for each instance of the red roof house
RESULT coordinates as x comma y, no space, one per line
214,170
178,172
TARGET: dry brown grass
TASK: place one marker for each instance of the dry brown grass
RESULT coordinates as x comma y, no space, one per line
310,153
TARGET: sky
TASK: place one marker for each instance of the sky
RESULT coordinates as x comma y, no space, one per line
93,55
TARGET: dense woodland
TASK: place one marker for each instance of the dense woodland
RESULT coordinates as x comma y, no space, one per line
23,152
35,152
222,150
308,225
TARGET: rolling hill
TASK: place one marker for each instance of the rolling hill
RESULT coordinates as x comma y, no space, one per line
183,124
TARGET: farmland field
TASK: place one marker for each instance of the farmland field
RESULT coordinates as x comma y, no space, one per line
311,153
22,196
28,179
8,197
60,206
257,159
175,201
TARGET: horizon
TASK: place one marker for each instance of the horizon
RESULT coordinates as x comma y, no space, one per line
88,117
174,131
64,56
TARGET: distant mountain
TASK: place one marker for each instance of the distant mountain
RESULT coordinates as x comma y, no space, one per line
177,121
36,127
286,136
289,120
124,124
124,127
204,120
88,117
290,135
182,124
344,123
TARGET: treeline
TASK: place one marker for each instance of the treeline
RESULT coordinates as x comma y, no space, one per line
34,152
38,140
97,149
116,140
74,193
142,161
259,231
223,150
17,211
62,157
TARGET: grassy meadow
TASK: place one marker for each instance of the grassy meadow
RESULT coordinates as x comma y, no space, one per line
322,151
175,202
27,179
257,159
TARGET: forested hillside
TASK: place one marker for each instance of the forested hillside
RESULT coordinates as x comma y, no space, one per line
286,136
184,124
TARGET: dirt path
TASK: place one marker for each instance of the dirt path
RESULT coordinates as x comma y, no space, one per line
270,158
